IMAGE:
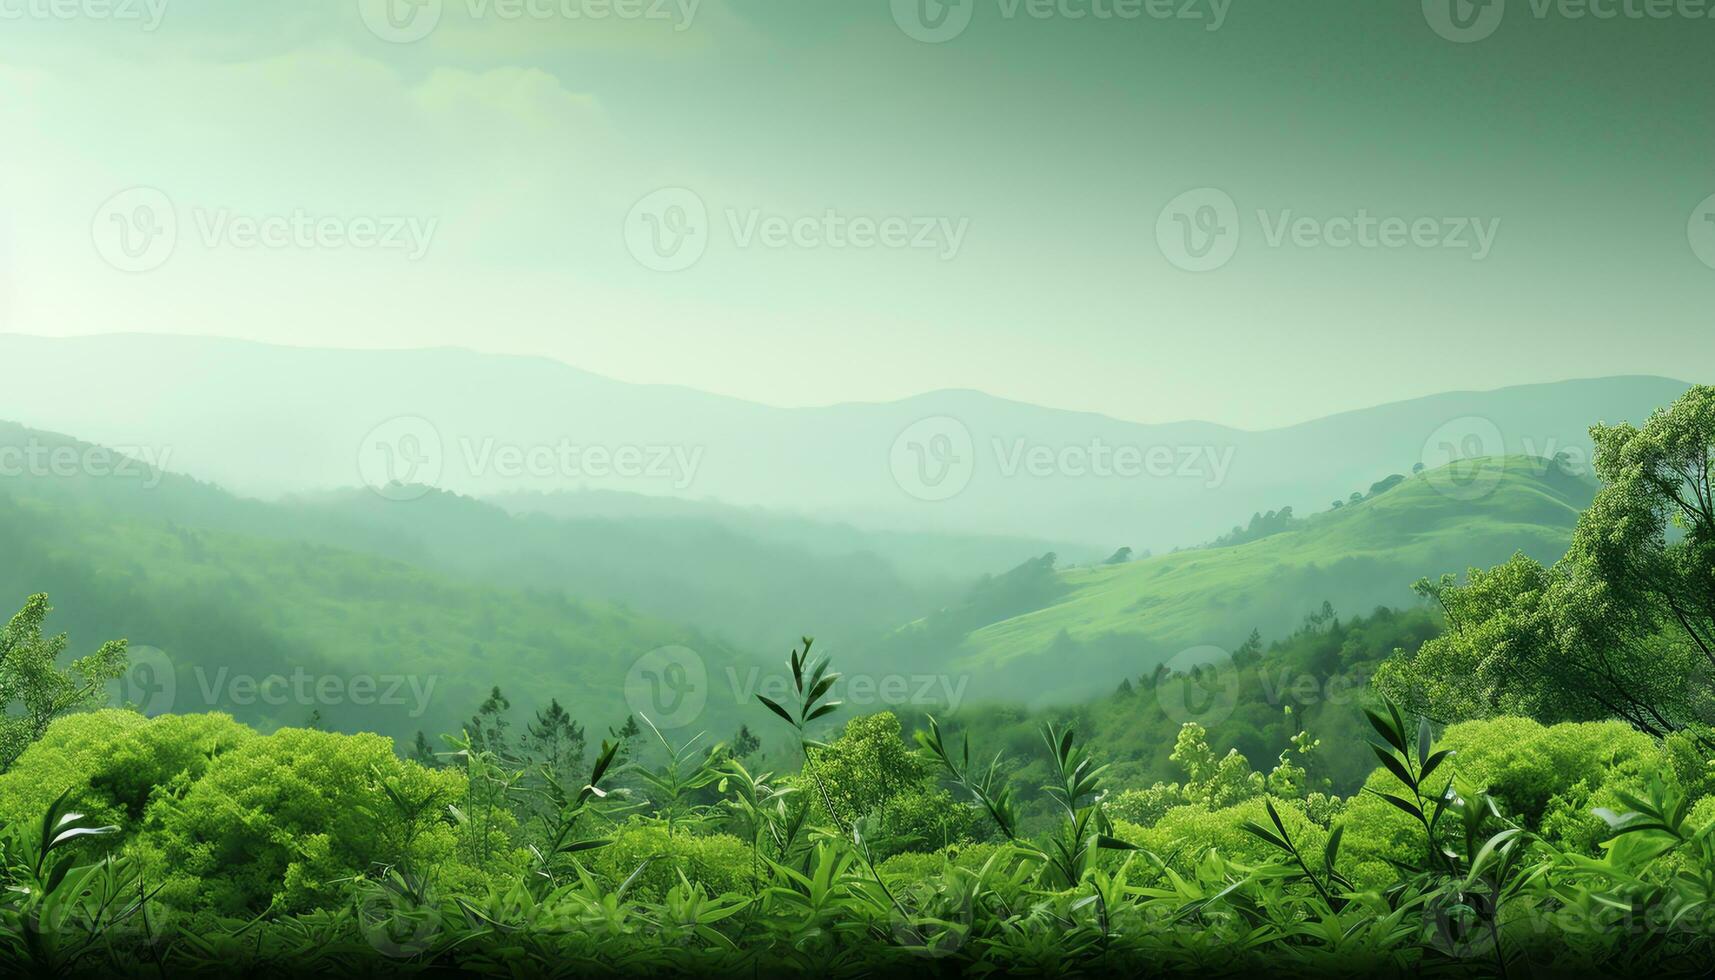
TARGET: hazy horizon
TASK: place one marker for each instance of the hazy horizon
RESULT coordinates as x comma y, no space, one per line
481,352
1368,187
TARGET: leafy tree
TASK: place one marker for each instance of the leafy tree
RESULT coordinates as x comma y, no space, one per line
1119,557
869,765
1260,526
1623,626
35,689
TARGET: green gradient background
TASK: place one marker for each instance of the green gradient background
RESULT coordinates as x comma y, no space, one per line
1059,140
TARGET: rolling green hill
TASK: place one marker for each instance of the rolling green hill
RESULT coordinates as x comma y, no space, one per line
285,614
1106,622
751,578
286,633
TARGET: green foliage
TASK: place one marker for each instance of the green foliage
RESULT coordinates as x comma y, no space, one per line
1551,776
1623,626
671,785
869,765
720,863
280,820
114,762
1321,671
35,688
338,857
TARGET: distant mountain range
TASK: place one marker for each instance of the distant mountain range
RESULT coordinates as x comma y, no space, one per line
263,420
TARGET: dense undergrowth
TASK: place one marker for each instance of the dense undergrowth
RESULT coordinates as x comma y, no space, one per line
186,844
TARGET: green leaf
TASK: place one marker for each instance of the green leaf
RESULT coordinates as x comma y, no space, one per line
782,712
1393,765
1394,737
1257,829
1433,763
1274,815
583,845
824,709
1405,805
821,687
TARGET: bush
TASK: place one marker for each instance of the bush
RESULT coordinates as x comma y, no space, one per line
720,863
1546,777
281,819
115,761
1144,807
67,755
1190,830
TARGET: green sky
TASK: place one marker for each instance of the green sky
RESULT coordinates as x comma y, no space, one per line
520,144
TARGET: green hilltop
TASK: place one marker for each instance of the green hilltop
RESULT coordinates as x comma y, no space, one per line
1121,620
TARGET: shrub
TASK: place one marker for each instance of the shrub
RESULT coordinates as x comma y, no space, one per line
67,755
1188,831
282,819
1144,807
1546,777
115,761
719,862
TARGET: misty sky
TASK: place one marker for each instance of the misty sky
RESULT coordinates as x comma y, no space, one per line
880,215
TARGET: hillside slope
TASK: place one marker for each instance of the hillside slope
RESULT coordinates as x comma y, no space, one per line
1109,622
258,610
751,578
